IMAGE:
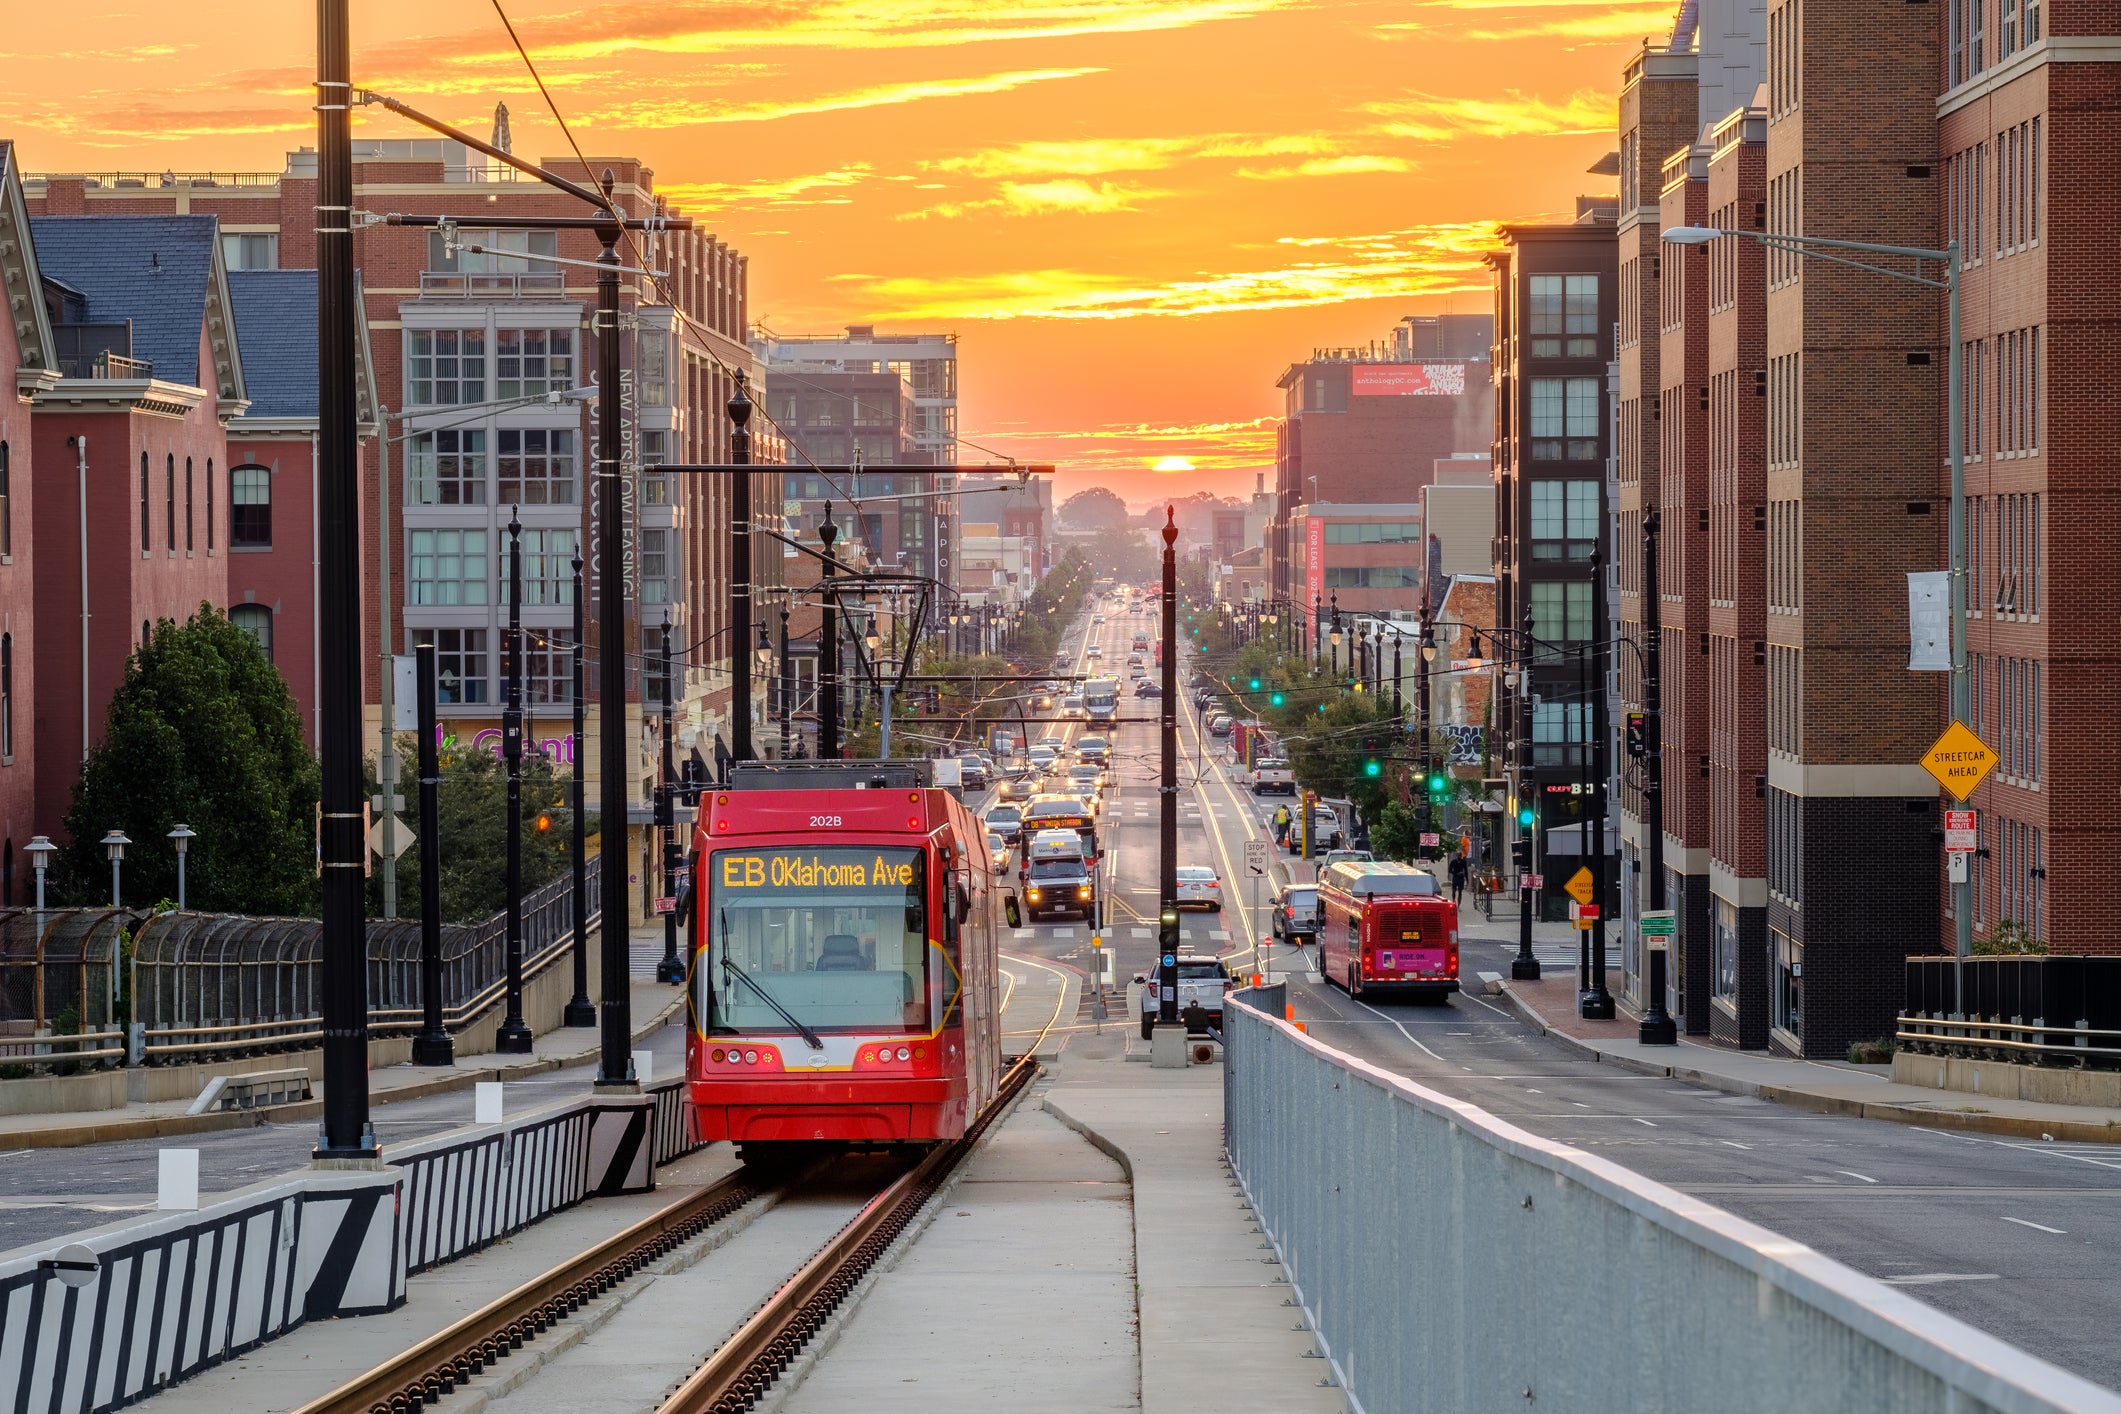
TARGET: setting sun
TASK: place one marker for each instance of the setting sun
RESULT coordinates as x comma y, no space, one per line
1169,464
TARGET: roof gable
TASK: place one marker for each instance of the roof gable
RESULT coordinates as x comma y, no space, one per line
20,276
164,274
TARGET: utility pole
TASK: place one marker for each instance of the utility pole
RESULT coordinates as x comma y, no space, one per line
1525,967
345,1137
615,1006
1595,1003
1657,1027
433,1046
514,1036
672,968
1167,820
739,582
828,646
580,1010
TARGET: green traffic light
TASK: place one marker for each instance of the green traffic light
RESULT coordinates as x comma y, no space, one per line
1372,768
1255,684
1524,817
1276,699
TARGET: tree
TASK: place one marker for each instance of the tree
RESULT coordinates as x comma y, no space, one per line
1123,553
203,731
1396,833
1094,509
471,806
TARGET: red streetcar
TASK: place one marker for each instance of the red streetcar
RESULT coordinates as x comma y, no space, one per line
1386,928
845,984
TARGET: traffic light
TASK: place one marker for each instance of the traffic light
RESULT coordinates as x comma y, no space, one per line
544,822
1525,813
1372,767
1255,684
1439,786
1638,734
1277,699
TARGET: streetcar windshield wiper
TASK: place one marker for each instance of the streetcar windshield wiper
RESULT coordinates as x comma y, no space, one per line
730,970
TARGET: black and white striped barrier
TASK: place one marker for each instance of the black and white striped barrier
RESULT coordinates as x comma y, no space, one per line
125,1310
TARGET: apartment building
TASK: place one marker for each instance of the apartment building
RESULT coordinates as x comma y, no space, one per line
2023,100
1556,303
28,364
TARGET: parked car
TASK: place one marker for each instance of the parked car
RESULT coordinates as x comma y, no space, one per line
1296,913
1202,979
1198,886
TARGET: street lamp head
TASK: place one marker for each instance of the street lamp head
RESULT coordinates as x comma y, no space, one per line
40,849
763,652
571,395
1336,635
1690,235
182,837
1428,652
114,845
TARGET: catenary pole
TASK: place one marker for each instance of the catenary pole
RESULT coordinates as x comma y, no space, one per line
1657,1027
514,1037
433,1046
345,1134
614,1007
1167,792
580,1010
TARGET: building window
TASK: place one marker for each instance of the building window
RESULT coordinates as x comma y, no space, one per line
1564,520
1565,418
255,620
1372,577
146,543
652,360
7,505
460,666
504,252
187,506
548,567
447,567
448,366
1564,316
209,505
7,697
1785,846
548,668
169,501
449,468
536,466
251,250
655,566
1560,733
528,362
1788,1001
249,508
1405,532
1723,926
1561,610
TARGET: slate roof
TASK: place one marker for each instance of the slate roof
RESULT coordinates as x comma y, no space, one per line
276,338
153,270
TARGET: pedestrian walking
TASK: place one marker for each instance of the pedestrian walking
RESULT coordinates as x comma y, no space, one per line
1459,870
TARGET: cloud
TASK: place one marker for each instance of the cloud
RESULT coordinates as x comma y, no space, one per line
807,189
1640,22
1062,195
671,110
1082,157
1428,260
1352,164
1431,118
1123,449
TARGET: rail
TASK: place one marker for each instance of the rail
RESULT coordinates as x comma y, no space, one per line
2037,1010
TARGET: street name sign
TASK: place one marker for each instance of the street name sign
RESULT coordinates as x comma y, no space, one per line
1660,923
1582,886
1959,760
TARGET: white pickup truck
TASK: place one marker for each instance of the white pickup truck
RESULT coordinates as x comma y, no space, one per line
1272,773
1202,979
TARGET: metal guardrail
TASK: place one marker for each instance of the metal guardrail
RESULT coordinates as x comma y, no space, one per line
207,986
2051,1010
1448,1261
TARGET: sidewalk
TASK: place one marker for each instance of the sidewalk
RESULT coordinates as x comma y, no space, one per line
654,1003
1824,1087
1214,1327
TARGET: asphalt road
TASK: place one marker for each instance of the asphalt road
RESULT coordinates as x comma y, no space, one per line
2011,1236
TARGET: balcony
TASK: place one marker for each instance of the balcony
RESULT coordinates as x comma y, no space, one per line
99,351
529,284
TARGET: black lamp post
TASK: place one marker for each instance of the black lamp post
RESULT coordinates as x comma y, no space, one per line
514,1036
672,968
828,642
433,1046
580,1010
1333,637
1594,1003
787,686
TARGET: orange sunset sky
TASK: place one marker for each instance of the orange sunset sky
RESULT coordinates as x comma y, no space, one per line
1133,213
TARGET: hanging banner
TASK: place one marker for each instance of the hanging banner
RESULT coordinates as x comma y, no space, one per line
1434,380
1315,557
1929,622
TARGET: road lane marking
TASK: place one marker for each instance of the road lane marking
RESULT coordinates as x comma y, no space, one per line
1401,1029
2040,1227
1734,1144
1933,1278
1640,1120
1851,1173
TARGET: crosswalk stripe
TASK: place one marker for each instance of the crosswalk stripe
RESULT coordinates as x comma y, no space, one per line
1141,932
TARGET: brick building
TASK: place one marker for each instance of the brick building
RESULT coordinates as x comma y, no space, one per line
1361,433
28,366
1556,299
472,352
136,429
2024,98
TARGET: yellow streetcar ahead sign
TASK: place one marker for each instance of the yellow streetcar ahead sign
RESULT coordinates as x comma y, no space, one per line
1959,760
1582,886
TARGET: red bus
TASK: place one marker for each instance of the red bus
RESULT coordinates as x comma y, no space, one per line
845,986
1386,928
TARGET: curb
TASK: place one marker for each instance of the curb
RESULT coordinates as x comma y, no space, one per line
173,1126
1811,1101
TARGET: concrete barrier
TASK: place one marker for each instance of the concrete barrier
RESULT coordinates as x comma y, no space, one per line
1448,1261
170,1295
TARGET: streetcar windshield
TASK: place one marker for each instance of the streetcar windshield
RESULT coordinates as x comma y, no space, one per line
832,938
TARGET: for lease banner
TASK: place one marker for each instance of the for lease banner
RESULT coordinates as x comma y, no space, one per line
1370,380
